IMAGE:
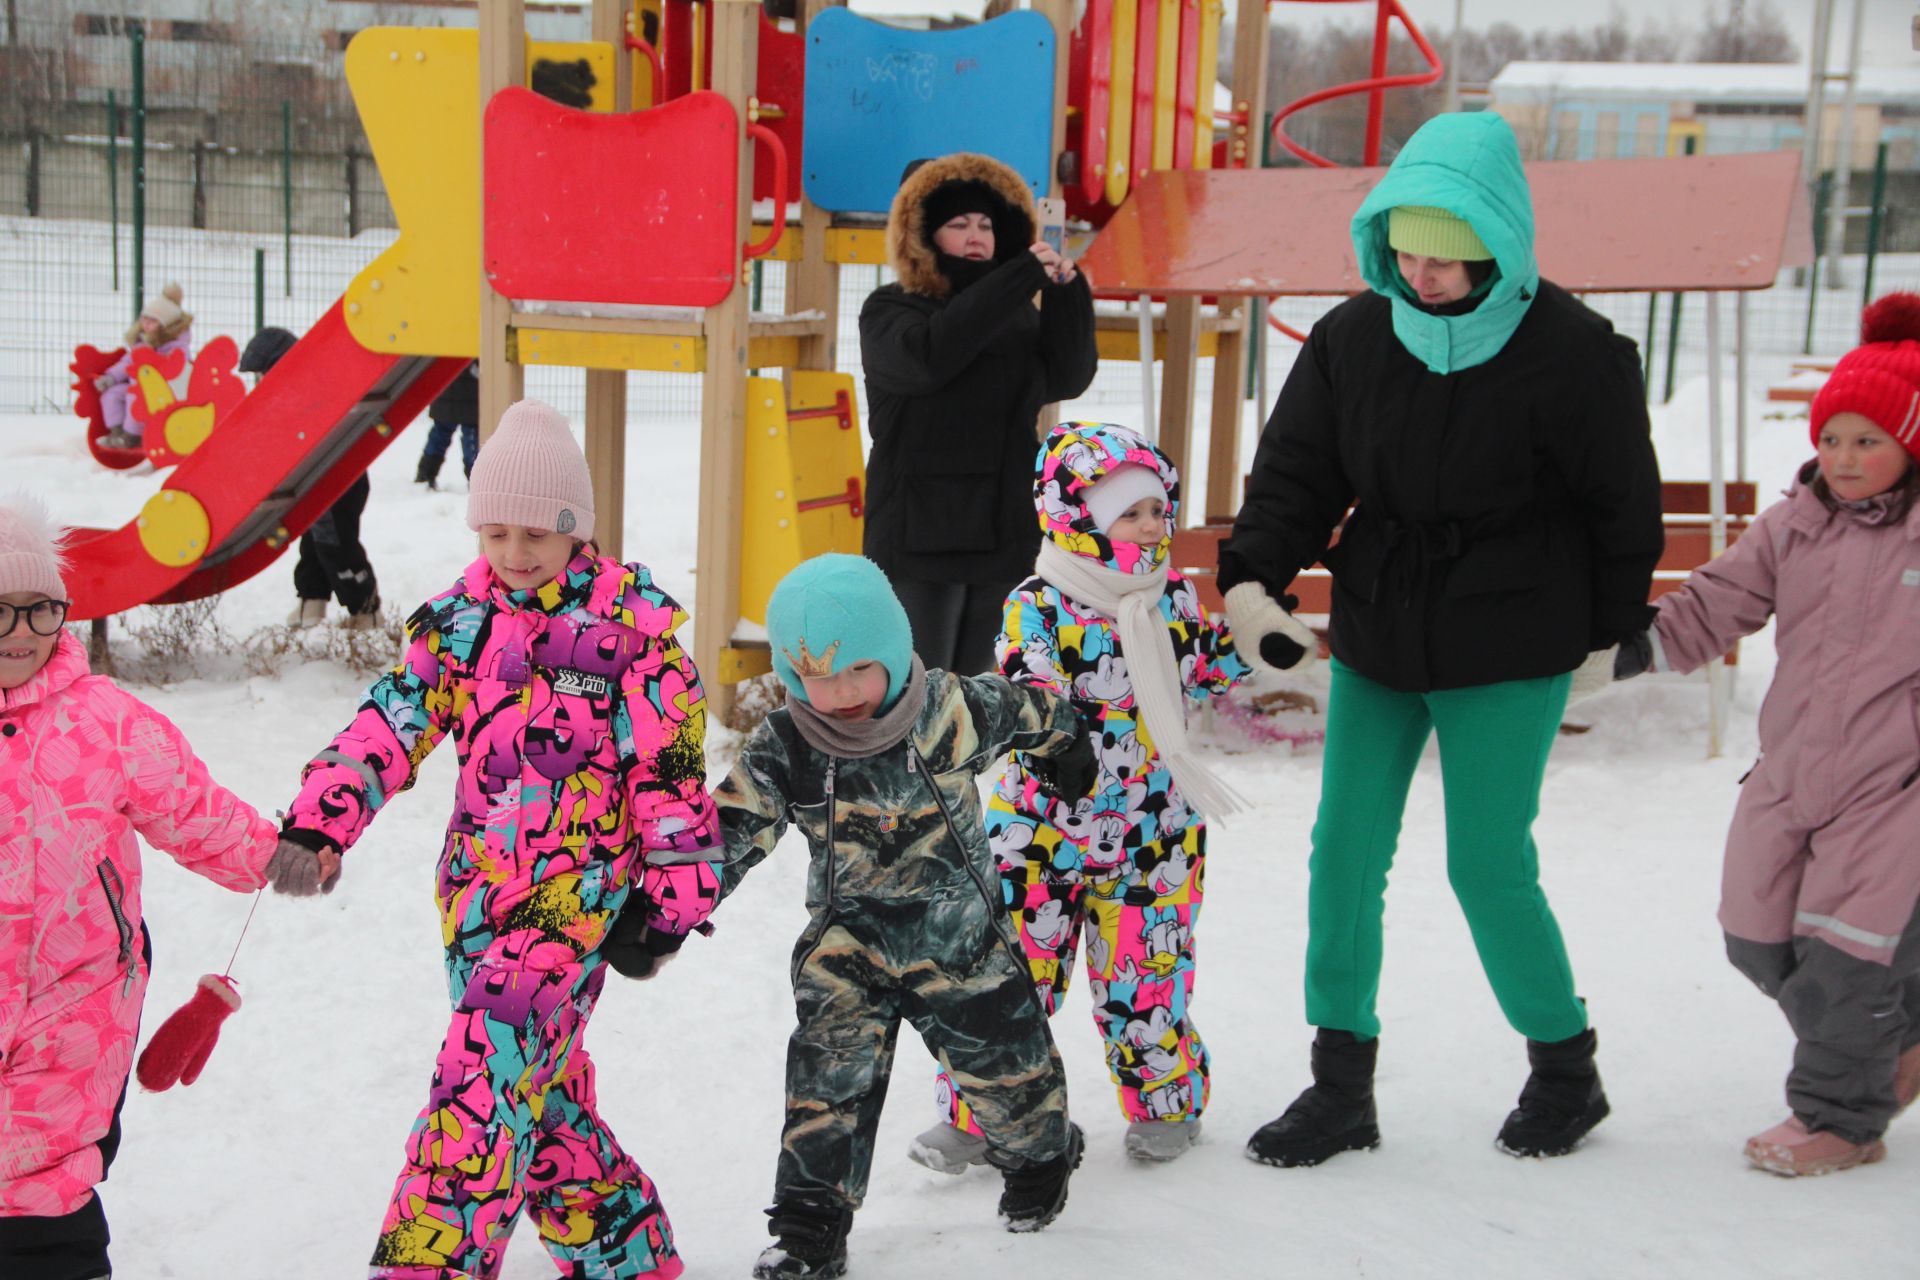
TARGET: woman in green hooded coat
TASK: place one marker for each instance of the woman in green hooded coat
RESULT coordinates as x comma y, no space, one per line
1490,435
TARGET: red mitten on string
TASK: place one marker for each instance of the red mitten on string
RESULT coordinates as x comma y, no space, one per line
180,1047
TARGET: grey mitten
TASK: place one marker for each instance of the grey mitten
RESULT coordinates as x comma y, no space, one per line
1266,635
300,871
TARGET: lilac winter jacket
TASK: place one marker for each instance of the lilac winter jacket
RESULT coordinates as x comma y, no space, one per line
1825,840
83,766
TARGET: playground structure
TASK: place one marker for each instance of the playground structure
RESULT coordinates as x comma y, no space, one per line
622,234
178,401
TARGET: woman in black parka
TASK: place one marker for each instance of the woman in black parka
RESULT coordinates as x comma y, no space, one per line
1490,435
982,329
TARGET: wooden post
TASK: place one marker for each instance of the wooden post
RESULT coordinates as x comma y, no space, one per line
1060,14
813,281
607,388
723,386
1178,369
503,62
1245,147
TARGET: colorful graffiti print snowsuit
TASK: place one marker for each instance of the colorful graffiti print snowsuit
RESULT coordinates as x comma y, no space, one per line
83,766
580,726
903,922
1126,865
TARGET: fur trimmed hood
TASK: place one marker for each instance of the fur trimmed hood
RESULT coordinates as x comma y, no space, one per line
910,252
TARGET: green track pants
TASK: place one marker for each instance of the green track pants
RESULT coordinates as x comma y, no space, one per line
1494,741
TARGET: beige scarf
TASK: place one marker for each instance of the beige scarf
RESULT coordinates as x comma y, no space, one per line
1132,601
857,739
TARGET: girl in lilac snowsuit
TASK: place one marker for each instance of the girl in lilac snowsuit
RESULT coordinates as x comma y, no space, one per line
165,328
581,833
1822,874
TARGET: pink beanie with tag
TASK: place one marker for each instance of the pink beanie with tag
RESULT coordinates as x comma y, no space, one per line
531,473
29,549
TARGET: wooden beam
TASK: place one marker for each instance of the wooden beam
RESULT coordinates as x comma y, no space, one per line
1060,14
1229,397
1178,374
723,387
1244,140
813,280
607,388
503,61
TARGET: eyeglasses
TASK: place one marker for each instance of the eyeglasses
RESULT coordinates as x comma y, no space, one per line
43,616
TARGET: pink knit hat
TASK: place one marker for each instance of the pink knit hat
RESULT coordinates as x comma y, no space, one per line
29,548
531,473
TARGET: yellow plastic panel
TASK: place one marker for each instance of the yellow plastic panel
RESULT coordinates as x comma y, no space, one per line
1210,14
738,663
844,244
188,427
580,349
174,527
826,458
1166,82
1124,344
1120,101
770,523
419,97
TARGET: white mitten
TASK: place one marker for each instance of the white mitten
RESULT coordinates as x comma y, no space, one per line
1593,675
1266,634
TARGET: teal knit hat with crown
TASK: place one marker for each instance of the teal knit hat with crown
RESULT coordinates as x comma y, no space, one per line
833,611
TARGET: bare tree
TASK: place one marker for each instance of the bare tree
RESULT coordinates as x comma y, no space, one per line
1745,35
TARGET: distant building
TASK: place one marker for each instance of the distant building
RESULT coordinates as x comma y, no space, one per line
1599,110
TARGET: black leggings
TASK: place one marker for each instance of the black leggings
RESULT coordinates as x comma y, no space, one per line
954,623
332,561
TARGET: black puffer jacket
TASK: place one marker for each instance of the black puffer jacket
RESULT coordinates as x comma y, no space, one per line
955,385
1506,517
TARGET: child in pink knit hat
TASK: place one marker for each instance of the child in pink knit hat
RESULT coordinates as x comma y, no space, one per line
581,836
1820,895
83,767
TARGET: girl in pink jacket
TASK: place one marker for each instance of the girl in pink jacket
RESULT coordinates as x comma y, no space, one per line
581,835
83,766
1822,870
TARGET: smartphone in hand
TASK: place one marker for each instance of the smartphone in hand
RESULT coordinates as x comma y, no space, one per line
1053,224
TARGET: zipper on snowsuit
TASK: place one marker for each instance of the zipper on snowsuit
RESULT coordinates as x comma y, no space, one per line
826,920
115,889
996,912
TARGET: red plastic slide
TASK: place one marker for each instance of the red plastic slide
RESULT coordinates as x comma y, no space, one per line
286,454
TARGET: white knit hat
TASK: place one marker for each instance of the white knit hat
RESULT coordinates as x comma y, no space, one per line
165,306
29,548
531,473
1109,497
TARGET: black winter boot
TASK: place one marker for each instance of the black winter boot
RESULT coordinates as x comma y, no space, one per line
1561,1102
428,472
1336,1114
812,1230
1034,1194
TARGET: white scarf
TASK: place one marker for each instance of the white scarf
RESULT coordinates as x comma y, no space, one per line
1132,601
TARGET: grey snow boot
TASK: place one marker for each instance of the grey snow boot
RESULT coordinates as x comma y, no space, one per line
1158,1141
946,1149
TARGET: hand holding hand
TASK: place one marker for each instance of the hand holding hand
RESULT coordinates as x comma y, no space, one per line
635,949
300,872
1593,675
1266,634
1069,774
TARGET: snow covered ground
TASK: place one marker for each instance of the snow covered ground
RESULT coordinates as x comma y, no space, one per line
278,1162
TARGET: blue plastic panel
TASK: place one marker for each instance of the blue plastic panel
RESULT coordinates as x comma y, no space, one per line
879,97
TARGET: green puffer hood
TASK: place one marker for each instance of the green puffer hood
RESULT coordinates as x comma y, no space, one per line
1467,163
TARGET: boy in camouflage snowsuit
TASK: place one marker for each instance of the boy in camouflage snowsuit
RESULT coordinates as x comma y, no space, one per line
874,758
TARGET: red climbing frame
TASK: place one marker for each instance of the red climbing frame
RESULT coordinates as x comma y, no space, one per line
1375,86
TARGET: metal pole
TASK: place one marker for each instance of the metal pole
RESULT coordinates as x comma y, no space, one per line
259,289
1260,366
139,168
286,190
114,179
1813,269
1673,346
1653,312
1146,368
1816,90
1377,98
1717,514
1843,159
1873,221
1452,100
1740,385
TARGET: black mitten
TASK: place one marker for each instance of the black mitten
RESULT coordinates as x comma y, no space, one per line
1069,774
634,949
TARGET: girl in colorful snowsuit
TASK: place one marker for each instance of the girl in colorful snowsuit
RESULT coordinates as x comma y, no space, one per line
1123,867
1822,876
161,326
83,767
580,726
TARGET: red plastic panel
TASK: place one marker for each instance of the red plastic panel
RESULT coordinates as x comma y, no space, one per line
1694,222
629,208
1146,63
1089,88
780,81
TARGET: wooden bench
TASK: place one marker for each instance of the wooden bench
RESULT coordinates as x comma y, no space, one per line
1685,505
